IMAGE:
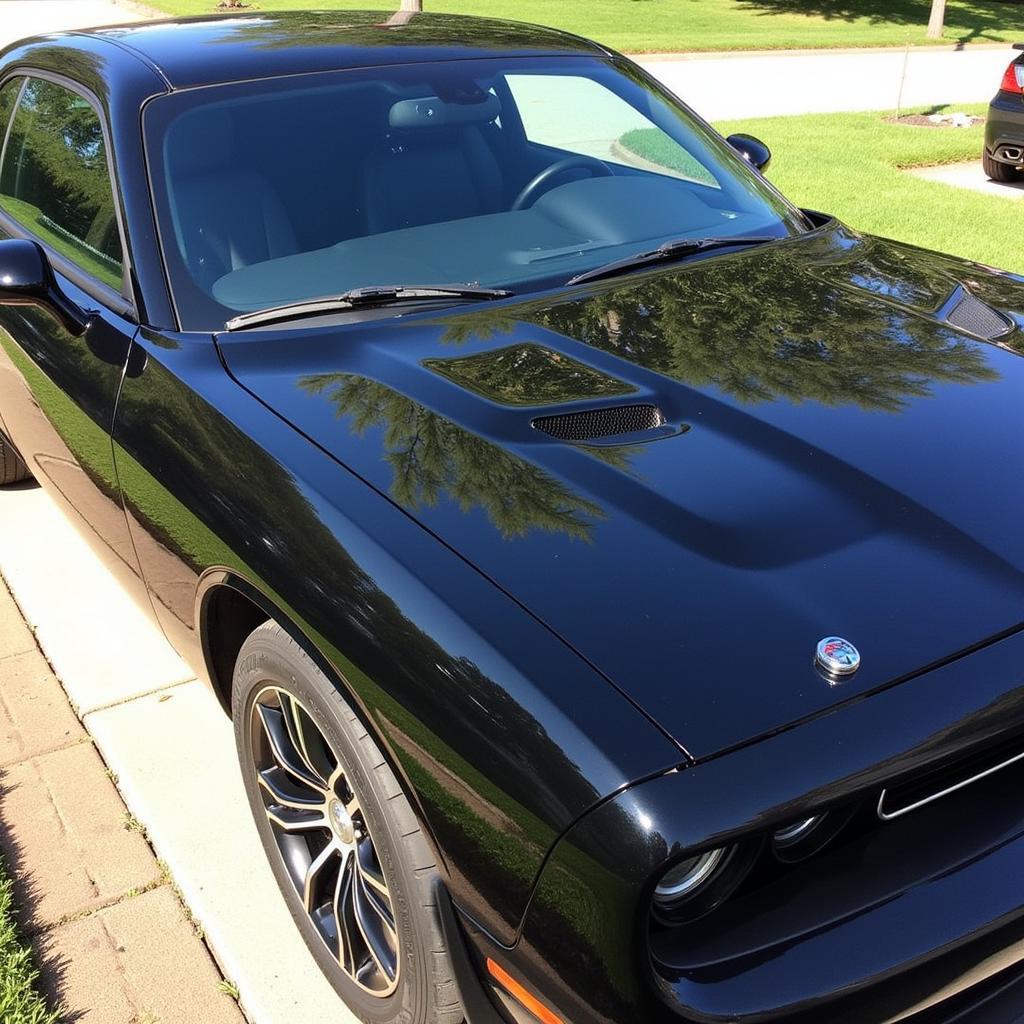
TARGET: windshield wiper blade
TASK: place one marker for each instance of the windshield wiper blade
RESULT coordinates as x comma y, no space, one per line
369,296
678,249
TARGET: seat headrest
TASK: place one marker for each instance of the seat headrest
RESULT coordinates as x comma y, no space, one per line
433,112
211,136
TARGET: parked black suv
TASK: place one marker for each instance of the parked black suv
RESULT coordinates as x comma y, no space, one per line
1003,156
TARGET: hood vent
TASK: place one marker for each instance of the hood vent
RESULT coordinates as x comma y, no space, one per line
598,423
972,316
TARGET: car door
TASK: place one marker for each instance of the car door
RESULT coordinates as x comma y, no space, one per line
57,390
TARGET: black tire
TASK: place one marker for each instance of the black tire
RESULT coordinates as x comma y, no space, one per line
279,693
997,171
12,468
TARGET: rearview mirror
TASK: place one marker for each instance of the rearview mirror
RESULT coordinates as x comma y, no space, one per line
27,279
754,151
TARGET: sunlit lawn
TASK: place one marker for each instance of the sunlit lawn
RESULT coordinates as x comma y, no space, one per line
850,165
649,25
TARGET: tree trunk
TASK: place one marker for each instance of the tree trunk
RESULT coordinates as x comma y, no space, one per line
407,10
935,22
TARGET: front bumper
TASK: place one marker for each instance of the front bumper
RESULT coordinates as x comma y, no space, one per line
1004,127
920,919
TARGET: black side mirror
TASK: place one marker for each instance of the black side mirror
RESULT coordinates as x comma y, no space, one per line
27,279
752,150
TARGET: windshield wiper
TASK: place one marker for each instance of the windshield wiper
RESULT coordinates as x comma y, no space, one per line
678,249
358,298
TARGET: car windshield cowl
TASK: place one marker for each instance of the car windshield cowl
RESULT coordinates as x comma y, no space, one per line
679,248
369,296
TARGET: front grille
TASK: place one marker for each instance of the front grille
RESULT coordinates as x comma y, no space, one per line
607,422
975,317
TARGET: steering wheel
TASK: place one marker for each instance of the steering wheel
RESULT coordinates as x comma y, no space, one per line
541,182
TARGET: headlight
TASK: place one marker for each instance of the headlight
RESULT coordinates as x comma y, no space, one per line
789,835
808,836
688,876
692,887
697,883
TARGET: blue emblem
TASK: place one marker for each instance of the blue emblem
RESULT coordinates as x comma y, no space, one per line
836,657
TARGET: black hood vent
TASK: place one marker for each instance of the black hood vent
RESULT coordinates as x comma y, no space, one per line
597,423
972,316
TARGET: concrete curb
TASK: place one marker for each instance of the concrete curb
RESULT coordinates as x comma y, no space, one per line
810,51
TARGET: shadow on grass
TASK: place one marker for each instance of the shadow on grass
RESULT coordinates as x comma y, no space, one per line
967,21
52,965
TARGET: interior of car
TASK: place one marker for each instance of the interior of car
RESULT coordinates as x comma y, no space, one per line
427,176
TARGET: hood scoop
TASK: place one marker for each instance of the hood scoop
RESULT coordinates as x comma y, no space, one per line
619,422
974,317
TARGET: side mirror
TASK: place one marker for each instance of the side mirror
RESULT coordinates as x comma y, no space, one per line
27,279
754,151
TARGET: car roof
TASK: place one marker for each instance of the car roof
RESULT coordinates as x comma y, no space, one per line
190,52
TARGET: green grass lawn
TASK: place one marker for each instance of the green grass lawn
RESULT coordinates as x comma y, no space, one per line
650,25
20,1003
851,165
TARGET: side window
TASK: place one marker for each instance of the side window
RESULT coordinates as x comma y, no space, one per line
55,182
8,95
582,116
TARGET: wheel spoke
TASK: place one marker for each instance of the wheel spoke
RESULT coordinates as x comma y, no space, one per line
271,780
288,819
283,748
371,919
312,872
370,872
342,896
304,740
337,776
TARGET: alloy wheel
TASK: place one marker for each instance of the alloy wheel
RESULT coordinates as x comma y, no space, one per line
324,841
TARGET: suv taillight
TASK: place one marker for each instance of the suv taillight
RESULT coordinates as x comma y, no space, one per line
1013,80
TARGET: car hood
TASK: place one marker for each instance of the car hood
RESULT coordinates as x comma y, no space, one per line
833,458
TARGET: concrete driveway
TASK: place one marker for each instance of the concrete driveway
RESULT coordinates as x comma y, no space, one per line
970,176
762,85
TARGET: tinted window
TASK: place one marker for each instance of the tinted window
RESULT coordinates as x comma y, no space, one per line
274,192
8,95
581,115
55,180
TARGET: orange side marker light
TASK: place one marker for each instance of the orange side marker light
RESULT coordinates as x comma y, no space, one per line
514,989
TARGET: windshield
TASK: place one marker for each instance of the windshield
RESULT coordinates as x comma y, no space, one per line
516,173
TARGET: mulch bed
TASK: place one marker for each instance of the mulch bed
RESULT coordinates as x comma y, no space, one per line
923,121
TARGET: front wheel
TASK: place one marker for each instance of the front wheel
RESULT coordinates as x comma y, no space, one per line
997,171
342,839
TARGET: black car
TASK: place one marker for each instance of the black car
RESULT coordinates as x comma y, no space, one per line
614,572
1003,155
